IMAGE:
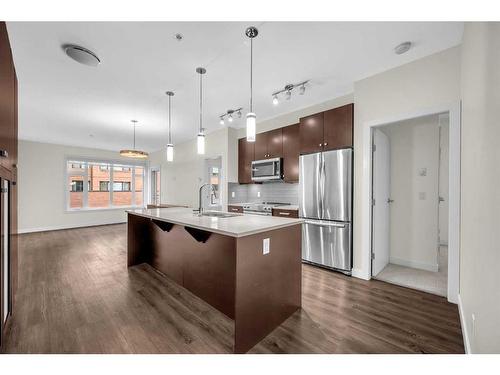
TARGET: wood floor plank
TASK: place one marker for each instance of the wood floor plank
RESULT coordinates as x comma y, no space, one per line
76,295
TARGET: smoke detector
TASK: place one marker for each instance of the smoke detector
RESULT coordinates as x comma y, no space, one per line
402,48
81,55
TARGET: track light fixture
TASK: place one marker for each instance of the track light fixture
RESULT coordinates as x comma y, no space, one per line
229,115
287,90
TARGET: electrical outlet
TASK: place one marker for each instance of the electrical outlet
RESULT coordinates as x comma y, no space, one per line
258,194
422,196
233,194
266,242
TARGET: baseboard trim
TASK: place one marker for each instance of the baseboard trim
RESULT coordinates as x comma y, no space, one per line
360,274
463,324
414,264
62,227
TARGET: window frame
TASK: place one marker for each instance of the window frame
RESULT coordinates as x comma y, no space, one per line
84,162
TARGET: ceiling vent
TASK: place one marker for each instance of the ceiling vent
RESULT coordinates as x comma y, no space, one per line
81,55
402,48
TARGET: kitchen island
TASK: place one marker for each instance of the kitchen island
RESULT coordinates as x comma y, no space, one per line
248,267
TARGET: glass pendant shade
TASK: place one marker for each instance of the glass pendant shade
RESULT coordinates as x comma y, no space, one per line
170,152
251,120
201,143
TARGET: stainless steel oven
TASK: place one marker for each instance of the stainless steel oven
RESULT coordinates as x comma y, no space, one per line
267,170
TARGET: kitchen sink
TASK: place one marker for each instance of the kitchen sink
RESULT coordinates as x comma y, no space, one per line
218,214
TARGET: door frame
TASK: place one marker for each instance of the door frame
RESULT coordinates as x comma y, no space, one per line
152,188
453,109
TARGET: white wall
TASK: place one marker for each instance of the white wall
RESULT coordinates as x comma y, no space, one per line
181,179
41,188
431,82
414,212
480,175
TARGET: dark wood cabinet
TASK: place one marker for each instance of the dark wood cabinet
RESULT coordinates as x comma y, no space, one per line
311,133
238,209
260,146
286,213
275,143
291,153
8,83
338,127
8,181
269,145
245,158
329,130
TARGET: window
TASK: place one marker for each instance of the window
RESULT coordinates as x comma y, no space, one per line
103,185
76,186
100,185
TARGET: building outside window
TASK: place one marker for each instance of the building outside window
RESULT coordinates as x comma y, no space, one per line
101,185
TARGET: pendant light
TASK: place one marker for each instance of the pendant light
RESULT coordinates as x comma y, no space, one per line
201,135
134,153
251,32
170,146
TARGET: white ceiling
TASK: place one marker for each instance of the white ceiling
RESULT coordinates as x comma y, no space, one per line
61,101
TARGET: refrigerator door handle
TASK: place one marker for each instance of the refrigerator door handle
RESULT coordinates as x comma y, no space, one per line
325,223
322,185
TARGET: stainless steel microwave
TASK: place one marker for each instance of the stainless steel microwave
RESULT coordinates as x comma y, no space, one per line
267,170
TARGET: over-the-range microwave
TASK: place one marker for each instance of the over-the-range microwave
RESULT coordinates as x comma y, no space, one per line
267,170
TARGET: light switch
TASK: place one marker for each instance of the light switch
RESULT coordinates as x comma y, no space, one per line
233,194
265,245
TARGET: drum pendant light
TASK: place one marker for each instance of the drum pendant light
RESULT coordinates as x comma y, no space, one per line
134,153
251,33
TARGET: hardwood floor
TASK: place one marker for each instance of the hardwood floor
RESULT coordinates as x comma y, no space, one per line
77,296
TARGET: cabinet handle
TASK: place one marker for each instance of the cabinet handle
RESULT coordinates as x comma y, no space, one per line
285,213
4,154
320,144
326,143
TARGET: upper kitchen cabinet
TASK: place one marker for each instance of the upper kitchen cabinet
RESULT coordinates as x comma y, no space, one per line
269,145
338,127
327,130
291,153
311,133
245,158
8,102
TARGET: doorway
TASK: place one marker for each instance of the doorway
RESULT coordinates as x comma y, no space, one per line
155,186
409,203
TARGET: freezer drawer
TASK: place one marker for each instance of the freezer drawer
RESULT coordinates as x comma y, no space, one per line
327,243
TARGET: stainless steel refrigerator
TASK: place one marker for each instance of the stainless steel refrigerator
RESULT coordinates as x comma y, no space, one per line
325,202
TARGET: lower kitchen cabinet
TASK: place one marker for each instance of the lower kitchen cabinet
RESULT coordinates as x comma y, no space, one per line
286,213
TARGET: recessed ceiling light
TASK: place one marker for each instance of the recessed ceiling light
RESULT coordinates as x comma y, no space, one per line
81,55
402,48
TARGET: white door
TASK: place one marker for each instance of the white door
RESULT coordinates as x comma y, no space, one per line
381,196
444,133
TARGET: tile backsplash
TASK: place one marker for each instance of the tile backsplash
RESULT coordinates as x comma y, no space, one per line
267,192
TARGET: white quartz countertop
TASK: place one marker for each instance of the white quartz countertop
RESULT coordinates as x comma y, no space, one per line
235,226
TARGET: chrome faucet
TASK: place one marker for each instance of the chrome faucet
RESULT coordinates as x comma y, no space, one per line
200,206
